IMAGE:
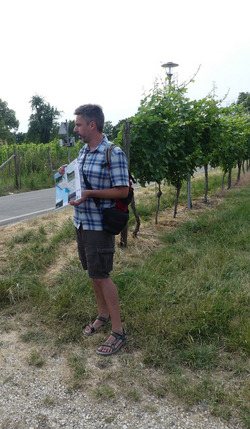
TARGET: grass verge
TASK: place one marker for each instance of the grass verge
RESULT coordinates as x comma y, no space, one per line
184,297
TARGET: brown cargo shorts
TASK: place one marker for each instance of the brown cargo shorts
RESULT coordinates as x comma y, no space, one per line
96,251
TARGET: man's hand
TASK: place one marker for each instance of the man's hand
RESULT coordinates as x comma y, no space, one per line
61,170
85,195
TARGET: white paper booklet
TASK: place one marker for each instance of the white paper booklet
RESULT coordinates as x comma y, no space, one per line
68,186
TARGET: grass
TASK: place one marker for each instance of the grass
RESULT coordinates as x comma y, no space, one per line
34,336
184,296
35,359
104,391
77,363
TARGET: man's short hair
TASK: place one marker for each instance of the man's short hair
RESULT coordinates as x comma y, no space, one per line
91,112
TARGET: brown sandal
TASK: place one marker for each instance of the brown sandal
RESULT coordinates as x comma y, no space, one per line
95,330
114,349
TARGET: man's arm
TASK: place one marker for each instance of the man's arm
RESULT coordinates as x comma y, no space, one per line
109,193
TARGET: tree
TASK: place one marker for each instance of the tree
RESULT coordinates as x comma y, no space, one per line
20,137
43,126
244,99
108,129
8,123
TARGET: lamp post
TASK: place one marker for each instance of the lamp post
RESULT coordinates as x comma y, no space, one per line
169,66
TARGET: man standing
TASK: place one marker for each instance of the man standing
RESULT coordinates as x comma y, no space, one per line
95,246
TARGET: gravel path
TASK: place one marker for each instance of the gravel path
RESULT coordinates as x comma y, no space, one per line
32,397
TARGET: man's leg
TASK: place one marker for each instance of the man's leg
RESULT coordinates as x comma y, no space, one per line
99,247
107,297
87,242
103,310
106,291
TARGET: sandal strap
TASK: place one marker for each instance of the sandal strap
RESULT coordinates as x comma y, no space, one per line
112,346
118,336
103,319
91,327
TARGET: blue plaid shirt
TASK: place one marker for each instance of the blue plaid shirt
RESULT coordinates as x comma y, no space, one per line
100,177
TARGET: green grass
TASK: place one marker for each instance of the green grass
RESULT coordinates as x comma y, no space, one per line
34,336
104,392
78,366
197,291
29,182
185,304
35,359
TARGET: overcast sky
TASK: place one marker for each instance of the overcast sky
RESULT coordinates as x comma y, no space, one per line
110,51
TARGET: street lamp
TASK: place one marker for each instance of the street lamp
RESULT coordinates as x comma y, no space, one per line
169,66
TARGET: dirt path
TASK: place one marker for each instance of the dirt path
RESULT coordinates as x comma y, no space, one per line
40,397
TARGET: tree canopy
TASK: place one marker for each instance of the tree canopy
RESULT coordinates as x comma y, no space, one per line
43,125
8,123
244,99
108,129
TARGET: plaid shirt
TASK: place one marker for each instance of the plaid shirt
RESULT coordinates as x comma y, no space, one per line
100,177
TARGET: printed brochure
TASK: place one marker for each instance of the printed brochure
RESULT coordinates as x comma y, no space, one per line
68,186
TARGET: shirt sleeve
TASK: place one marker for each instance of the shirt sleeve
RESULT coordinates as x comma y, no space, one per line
119,175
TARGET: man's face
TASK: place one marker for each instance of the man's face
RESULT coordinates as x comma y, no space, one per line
82,129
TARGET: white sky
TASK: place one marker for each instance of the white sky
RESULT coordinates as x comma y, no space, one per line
110,51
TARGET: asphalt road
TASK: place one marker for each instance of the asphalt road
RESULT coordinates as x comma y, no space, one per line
19,207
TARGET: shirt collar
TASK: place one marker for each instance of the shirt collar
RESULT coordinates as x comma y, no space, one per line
101,147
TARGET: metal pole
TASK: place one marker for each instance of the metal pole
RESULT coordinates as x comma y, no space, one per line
67,134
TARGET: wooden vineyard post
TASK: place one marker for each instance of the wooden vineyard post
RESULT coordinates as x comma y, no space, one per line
19,167
16,172
50,162
126,149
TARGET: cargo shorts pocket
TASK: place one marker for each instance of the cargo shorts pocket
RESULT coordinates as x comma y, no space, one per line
104,262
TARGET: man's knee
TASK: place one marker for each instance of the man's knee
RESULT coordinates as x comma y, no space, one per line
100,282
